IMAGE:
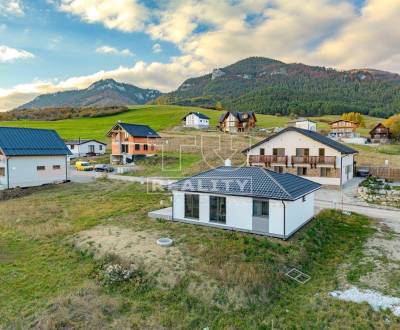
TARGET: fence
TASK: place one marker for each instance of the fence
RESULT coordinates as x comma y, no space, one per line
383,172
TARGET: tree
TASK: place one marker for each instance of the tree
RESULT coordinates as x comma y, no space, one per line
393,123
218,106
354,116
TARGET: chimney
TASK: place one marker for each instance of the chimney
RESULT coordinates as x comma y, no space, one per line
228,162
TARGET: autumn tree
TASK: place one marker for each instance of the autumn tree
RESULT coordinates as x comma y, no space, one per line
354,116
393,123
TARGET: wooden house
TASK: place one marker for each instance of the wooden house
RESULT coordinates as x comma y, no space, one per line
343,129
380,134
233,122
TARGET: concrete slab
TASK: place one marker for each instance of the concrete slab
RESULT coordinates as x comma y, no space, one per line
165,214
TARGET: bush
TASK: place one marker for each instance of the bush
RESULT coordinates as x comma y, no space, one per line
115,274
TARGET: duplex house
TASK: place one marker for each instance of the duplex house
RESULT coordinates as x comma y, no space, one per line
249,199
31,157
343,129
304,153
129,141
196,120
380,134
233,122
81,147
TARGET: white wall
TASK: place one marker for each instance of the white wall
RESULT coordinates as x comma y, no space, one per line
348,160
3,179
193,121
298,212
23,170
309,125
83,149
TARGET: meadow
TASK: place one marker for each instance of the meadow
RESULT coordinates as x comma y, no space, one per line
53,275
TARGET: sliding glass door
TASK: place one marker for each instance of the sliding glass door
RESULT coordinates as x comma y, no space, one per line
218,209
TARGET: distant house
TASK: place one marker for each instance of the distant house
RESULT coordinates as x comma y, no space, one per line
303,123
380,134
249,199
131,140
80,147
343,129
31,157
304,153
196,120
233,122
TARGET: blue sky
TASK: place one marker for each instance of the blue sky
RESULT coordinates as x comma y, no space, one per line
53,45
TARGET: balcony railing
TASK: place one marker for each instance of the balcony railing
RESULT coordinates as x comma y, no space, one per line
268,159
295,160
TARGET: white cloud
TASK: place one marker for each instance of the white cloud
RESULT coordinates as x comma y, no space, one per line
157,48
113,51
123,15
11,7
8,54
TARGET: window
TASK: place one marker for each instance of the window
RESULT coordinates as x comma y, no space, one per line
2,171
137,146
302,152
145,147
100,147
260,208
278,169
72,146
278,151
325,171
218,209
40,168
191,206
262,151
304,199
56,167
124,148
321,152
302,171
91,148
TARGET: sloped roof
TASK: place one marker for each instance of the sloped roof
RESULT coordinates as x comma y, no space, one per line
312,135
82,141
250,181
198,114
15,141
137,130
378,125
238,115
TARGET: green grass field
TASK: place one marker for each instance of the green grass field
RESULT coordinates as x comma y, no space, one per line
160,117
226,280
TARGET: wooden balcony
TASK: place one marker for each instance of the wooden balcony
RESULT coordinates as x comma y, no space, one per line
323,160
268,159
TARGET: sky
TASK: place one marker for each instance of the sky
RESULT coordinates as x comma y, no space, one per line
55,45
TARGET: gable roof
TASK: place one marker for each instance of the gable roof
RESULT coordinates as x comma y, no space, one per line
198,114
16,141
83,141
250,181
343,149
378,125
136,130
345,120
238,115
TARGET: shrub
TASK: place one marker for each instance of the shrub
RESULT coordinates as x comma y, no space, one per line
115,274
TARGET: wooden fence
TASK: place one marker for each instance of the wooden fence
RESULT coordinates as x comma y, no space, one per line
383,172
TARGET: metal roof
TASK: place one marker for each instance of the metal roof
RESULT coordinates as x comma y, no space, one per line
250,181
313,135
15,141
238,115
82,141
198,114
137,130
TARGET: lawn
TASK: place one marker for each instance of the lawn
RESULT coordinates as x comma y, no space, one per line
160,117
222,279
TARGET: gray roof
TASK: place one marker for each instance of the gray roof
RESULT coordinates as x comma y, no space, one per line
250,181
82,141
138,130
313,135
15,141
238,115
198,114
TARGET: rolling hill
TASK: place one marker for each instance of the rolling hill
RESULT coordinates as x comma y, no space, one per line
270,86
103,93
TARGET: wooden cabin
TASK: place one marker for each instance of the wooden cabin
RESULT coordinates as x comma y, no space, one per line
129,141
233,122
343,129
380,134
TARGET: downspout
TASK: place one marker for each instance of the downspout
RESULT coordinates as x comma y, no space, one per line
8,174
284,220
66,168
341,171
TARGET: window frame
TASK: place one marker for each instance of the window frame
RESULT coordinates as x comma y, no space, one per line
56,167
220,204
2,172
194,212
264,203
40,168
137,147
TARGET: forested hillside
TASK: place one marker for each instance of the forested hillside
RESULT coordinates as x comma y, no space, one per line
270,87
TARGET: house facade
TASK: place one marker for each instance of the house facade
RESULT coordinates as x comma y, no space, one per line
233,122
196,120
249,199
80,147
304,153
31,157
380,134
343,129
129,141
304,124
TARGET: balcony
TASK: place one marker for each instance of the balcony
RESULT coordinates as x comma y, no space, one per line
314,160
268,159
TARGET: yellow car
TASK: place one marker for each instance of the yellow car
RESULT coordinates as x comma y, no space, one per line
83,166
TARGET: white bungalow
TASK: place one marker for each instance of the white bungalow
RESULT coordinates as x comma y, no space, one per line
196,120
249,199
81,148
31,157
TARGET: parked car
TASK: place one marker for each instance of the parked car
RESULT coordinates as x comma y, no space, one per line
363,171
83,166
103,168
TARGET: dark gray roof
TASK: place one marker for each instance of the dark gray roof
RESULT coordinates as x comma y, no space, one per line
238,115
82,141
313,135
138,130
250,181
198,114
15,141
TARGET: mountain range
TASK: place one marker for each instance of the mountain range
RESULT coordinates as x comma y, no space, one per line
259,84
103,93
